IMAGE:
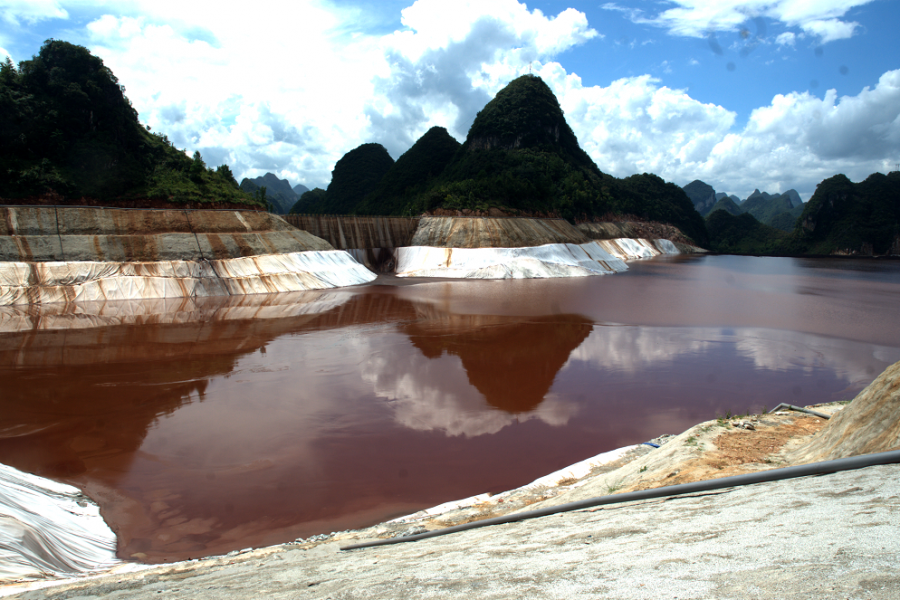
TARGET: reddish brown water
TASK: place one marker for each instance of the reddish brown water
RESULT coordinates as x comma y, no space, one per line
208,426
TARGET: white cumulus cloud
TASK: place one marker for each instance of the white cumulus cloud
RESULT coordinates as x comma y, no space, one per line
637,125
696,18
15,12
293,94
451,58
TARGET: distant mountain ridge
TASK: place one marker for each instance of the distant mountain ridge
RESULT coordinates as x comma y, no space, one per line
775,210
278,191
702,195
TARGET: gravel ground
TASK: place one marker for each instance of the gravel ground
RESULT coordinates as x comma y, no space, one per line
834,536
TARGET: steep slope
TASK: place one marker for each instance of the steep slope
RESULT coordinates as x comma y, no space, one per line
794,197
702,195
743,234
68,134
311,202
726,204
844,217
413,172
765,206
521,157
278,191
720,195
354,177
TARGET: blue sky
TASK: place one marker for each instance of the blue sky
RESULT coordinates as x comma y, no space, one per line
743,94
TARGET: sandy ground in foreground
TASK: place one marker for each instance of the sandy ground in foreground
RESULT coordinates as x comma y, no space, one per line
835,536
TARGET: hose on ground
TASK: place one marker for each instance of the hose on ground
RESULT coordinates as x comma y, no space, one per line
800,409
819,468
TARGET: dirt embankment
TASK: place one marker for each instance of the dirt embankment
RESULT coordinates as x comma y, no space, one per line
39,234
455,232
649,230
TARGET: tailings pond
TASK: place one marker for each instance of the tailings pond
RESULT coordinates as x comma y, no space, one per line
218,424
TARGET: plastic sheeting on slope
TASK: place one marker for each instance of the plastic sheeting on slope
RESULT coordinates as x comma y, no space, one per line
629,249
550,260
49,529
50,282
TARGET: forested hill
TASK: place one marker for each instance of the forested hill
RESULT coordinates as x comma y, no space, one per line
520,157
68,134
843,217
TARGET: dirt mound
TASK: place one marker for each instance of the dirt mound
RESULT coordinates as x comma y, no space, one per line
870,424
456,232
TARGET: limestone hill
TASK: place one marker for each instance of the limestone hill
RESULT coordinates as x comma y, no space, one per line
413,173
279,193
68,135
844,217
521,157
355,175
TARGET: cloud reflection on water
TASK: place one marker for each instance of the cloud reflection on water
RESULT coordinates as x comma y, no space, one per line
634,349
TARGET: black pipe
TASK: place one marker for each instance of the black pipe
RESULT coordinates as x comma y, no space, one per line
820,468
800,409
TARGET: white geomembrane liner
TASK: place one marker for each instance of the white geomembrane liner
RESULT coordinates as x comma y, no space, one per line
49,529
550,260
92,281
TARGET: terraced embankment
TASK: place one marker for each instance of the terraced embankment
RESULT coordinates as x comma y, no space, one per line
515,248
64,254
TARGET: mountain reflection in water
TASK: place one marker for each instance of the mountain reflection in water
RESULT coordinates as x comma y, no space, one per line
103,396
204,426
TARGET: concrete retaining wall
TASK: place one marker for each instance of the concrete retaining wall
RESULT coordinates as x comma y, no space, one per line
359,233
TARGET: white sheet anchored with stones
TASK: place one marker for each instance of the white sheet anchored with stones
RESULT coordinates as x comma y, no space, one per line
52,282
49,529
550,260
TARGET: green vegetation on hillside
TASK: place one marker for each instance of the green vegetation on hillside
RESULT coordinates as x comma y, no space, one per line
310,202
355,175
279,193
770,210
728,205
522,156
702,195
847,217
68,132
412,174
743,234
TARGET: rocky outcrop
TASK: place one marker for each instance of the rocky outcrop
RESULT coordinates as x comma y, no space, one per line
702,195
870,424
469,232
